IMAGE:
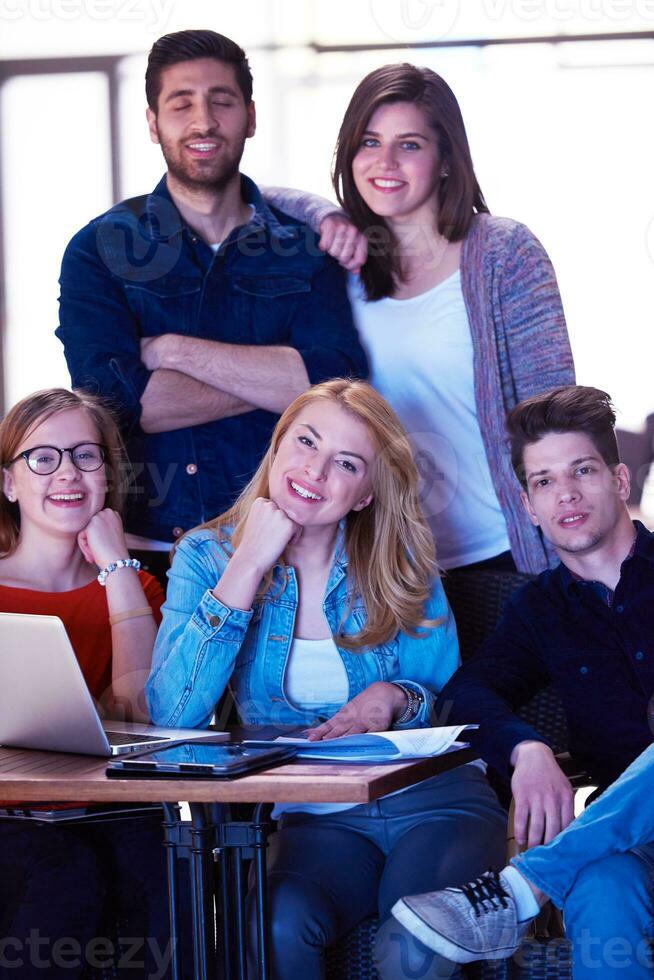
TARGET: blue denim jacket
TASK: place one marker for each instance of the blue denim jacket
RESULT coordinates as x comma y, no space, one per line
203,646
140,271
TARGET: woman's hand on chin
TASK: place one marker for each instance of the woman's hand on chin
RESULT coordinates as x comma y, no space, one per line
374,710
344,242
268,531
103,539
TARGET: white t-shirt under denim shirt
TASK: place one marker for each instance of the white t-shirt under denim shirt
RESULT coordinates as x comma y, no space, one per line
421,360
314,678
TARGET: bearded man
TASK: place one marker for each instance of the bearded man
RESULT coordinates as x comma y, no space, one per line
199,311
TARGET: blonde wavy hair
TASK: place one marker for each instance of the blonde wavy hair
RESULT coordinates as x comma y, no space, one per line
26,415
390,549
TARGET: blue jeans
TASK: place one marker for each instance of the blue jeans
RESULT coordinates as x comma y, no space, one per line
600,871
328,872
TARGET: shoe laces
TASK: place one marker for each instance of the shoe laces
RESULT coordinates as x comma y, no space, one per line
485,892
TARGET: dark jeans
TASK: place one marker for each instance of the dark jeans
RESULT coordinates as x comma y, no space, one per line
64,886
328,872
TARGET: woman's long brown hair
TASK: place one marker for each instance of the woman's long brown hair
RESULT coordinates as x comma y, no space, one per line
459,193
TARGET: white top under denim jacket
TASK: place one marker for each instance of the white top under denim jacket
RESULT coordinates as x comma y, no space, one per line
203,645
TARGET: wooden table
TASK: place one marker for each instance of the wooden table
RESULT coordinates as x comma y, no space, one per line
28,775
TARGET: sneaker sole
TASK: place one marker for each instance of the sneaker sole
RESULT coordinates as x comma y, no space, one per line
439,943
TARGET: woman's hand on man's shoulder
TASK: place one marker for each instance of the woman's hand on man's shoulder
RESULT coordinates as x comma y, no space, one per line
343,241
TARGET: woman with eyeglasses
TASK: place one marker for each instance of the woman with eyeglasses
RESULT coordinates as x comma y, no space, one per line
63,553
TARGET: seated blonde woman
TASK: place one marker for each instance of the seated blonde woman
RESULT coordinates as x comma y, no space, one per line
315,598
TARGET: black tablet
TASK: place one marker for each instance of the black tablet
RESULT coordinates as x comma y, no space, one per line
196,760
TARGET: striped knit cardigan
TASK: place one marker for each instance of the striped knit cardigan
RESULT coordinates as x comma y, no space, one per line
520,342
521,348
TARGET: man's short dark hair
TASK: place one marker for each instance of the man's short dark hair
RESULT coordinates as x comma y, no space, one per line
572,408
171,49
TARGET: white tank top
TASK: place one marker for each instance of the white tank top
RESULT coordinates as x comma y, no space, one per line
421,360
314,675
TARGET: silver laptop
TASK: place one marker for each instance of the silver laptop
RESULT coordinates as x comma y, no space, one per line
45,703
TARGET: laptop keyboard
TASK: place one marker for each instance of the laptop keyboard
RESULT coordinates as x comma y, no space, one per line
132,738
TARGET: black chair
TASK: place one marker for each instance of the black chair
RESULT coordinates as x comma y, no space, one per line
477,599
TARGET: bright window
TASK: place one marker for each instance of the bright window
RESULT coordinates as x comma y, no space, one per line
56,176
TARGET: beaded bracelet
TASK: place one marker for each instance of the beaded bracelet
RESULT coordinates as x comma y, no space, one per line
119,563
415,701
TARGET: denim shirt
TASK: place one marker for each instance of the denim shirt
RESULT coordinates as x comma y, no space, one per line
203,646
140,271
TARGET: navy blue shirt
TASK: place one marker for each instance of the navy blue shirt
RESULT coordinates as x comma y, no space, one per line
597,650
140,271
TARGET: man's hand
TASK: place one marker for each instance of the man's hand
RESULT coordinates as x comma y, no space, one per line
272,375
344,242
153,351
544,798
373,710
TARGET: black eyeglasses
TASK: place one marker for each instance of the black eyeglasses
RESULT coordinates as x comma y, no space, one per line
86,456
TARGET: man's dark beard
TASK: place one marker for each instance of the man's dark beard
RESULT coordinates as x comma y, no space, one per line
217,183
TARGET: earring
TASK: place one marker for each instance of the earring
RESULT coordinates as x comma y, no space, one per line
10,497
445,174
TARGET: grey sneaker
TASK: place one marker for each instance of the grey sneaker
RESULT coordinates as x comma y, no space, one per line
475,922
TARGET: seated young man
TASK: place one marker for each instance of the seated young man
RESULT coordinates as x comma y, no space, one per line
587,627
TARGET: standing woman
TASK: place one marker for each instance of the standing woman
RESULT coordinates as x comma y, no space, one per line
459,311
62,466
315,597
